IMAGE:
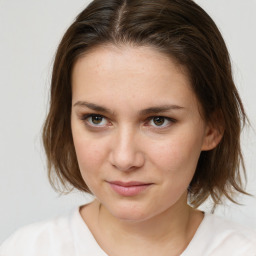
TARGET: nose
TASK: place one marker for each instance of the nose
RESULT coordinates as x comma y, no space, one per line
126,153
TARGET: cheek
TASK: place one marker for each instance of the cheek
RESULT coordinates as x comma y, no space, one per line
89,154
176,151
90,158
177,156
175,160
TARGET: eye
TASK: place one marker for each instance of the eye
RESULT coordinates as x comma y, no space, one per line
160,121
95,120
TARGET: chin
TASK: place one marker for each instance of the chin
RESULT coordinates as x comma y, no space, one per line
130,212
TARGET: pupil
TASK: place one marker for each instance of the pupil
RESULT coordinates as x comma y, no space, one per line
158,120
96,119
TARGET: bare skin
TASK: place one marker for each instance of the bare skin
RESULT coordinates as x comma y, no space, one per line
136,122
153,237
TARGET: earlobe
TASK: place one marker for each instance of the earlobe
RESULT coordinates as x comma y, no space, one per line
213,136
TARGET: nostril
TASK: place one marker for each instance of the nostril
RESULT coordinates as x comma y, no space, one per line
126,154
127,161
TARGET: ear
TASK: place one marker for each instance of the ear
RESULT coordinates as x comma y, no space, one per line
213,136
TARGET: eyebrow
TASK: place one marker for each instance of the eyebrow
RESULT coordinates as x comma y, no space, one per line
147,111
93,106
160,109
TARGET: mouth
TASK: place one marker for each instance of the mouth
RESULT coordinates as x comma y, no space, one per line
131,188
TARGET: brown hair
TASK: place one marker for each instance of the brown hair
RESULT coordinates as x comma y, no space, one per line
180,29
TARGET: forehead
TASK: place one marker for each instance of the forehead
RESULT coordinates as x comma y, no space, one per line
132,75
135,59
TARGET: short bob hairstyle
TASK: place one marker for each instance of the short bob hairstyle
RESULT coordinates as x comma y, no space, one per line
181,30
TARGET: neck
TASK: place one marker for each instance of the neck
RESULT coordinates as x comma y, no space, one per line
172,229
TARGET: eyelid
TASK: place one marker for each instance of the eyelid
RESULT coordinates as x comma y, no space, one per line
169,119
85,118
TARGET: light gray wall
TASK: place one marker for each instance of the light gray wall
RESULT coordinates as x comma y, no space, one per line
29,33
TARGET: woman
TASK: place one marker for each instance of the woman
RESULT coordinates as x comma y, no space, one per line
145,116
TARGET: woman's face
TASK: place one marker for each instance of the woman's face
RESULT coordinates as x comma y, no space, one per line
137,130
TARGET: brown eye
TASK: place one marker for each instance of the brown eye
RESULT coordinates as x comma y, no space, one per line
158,120
96,119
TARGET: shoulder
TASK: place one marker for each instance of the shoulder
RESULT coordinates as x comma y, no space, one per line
218,236
233,237
229,228
42,238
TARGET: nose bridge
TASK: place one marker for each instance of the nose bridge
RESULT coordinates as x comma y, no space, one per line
127,153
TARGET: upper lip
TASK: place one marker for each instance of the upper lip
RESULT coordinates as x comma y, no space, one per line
129,183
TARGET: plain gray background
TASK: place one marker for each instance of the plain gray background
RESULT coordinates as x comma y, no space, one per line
30,31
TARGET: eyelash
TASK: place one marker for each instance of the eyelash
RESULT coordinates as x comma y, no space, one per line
85,118
168,119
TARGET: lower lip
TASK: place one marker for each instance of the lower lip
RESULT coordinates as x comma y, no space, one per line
129,191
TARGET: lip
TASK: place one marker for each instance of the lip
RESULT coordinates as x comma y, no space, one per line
131,188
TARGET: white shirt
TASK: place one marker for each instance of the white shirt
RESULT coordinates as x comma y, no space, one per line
70,236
